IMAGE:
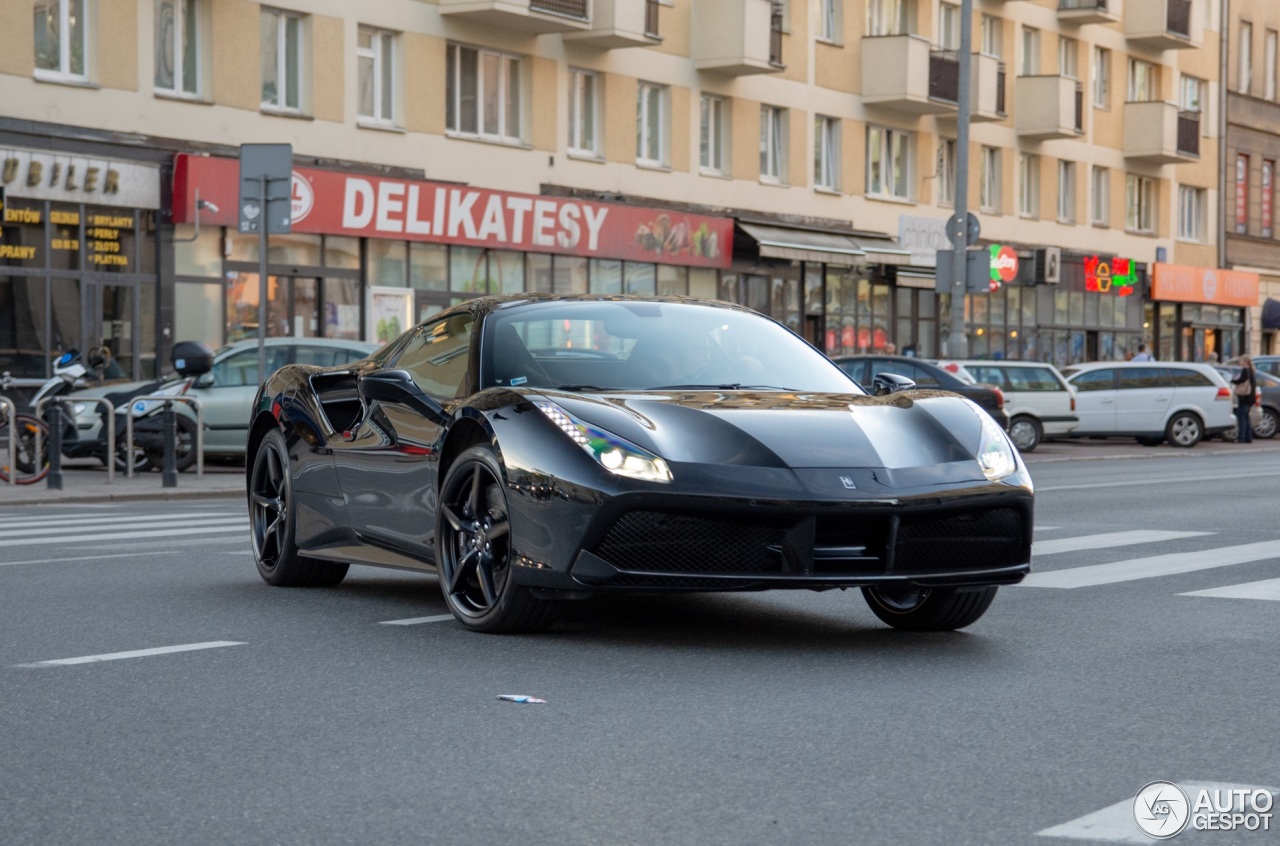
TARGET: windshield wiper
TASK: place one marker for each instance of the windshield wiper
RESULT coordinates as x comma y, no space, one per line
732,386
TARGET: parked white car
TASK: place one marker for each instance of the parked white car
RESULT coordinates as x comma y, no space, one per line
1153,401
1037,397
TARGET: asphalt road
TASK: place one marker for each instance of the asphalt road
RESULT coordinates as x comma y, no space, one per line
777,718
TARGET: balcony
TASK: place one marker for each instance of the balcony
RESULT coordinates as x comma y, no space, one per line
537,16
1048,107
905,73
1160,133
737,37
986,97
1164,24
620,23
1076,12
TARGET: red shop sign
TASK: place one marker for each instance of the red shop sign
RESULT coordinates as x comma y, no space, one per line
337,203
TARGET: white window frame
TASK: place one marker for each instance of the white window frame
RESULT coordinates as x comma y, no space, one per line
1139,204
584,95
1068,57
1191,213
1269,49
947,172
1029,52
829,21
1191,93
890,158
1144,81
283,72
651,124
507,99
773,144
1101,78
63,72
1028,185
989,186
713,135
826,153
948,26
1066,191
184,11
889,17
993,36
381,52
1246,57
1100,196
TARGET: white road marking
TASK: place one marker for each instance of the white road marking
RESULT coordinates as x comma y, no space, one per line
1108,540
1115,823
1047,528
87,557
153,523
136,653
114,536
1265,589
1154,566
82,521
413,621
1154,480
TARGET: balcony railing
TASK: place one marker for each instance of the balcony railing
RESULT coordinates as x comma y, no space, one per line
1189,133
1082,5
775,34
1079,107
569,8
1180,17
651,17
1000,86
944,76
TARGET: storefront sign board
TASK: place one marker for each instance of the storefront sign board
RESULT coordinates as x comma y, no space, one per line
79,179
1185,284
923,236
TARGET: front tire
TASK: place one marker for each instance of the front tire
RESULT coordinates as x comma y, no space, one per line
1184,430
474,551
1026,433
273,521
917,609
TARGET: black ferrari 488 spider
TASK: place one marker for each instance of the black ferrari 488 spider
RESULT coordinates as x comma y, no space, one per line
533,449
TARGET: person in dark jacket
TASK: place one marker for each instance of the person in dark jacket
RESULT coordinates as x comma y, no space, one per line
1245,388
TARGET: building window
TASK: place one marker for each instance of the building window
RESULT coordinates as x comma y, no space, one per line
1028,185
651,124
1066,192
947,172
178,47
1268,198
948,26
1101,77
281,60
1191,213
1100,188
1269,65
992,36
375,64
773,143
483,94
889,163
1068,57
1139,204
1246,57
1144,85
1242,194
714,135
62,39
826,153
1191,96
1030,51
829,20
584,111
989,190
889,17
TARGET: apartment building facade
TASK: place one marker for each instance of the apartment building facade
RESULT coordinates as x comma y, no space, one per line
797,157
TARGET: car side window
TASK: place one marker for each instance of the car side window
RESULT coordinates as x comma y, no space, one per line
994,375
439,357
1187,378
1144,377
857,370
240,369
1095,380
1033,379
319,356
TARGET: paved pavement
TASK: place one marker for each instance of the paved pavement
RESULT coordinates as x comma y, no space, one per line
86,480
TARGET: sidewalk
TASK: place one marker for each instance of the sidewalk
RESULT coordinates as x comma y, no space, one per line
86,481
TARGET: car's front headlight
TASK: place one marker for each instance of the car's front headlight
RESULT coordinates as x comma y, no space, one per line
996,455
620,457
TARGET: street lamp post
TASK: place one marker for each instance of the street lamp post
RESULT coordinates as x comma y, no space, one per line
958,342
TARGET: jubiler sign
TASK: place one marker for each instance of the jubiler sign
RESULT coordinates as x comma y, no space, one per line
339,203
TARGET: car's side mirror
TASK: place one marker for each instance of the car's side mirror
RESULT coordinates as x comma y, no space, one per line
397,386
205,380
891,383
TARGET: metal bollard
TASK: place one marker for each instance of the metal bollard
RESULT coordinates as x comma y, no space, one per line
54,480
169,475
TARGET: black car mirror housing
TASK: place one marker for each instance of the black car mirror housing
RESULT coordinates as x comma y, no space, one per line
891,383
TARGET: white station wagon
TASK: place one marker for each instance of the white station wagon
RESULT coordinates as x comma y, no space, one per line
1153,401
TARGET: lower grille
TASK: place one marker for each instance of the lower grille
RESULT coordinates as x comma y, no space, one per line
654,541
972,540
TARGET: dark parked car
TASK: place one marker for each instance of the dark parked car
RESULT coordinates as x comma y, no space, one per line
1267,414
533,449
926,374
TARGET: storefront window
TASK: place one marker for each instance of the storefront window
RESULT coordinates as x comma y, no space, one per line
813,289
388,263
341,251
537,272
703,282
111,240
64,246
606,276
468,270
197,312
201,257
506,272
65,321
640,278
570,275
428,267
342,309
22,325
672,280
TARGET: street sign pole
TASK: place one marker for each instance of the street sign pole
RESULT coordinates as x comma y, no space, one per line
266,173
262,284
958,342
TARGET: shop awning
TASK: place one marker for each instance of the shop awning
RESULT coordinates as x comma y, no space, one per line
1271,314
883,250
805,245
917,278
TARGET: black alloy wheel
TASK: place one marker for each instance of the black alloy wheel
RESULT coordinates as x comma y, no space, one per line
272,522
474,550
919,609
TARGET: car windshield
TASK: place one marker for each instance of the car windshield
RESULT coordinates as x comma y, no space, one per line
639,345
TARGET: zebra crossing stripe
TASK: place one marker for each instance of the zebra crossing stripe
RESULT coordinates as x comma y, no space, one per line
1265,589
1154,566
153,523
84,521
1107,540
100,537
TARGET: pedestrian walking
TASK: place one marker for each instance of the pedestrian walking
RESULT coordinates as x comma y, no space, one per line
1244,388
1143,355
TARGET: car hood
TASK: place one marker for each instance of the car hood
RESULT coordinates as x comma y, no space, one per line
916,429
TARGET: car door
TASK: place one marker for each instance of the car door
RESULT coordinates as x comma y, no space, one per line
226,396
387,470
1143,398
1095,400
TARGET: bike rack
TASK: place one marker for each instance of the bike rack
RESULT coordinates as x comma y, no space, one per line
109,422
193,402
11,426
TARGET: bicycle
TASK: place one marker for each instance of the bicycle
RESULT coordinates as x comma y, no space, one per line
27,430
